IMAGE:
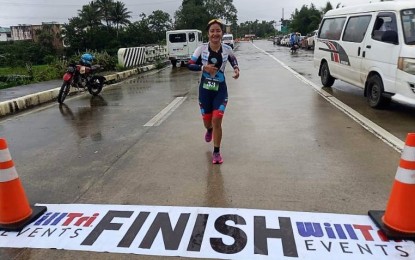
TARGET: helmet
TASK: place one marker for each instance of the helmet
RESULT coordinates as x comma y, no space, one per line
87,58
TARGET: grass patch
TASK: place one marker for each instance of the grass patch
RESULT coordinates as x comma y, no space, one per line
10,77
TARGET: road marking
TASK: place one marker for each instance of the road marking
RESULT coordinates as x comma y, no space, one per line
166,112
373,128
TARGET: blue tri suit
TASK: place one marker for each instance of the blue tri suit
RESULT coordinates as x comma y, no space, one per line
212,102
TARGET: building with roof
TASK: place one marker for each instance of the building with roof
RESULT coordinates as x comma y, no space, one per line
5,34
30,32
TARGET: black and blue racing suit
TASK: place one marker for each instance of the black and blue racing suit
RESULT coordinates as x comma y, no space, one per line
212,101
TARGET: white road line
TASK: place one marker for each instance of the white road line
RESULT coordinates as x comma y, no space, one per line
373,128
166,112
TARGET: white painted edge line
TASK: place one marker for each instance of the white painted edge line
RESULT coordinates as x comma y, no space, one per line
373,128
166,112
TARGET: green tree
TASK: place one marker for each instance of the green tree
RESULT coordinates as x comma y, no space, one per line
305,20
106,7
90,14
195,14
158,23
120,15
73,33
223,9
137,33
260,29
327,8
192,14
45,36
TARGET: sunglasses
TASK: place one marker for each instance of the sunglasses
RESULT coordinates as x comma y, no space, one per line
214,21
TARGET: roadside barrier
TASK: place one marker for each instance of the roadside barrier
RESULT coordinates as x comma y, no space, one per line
137,56
15,211
398,221
129,57
20,104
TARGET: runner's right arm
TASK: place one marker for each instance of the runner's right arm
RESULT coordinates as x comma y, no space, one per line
195,62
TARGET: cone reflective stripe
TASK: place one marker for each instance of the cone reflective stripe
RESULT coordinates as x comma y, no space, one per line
15,211
398,221
8,171
400,210
17,208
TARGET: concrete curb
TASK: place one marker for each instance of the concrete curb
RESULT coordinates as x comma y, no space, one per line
19,104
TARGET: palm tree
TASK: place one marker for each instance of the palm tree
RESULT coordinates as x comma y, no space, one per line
120,15
90,14
106,7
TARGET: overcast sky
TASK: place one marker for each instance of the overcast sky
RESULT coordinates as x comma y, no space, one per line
14,12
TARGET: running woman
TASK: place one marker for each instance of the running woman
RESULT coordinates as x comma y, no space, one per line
211,58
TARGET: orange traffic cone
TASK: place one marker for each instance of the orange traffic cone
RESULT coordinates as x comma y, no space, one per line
15,211
398,221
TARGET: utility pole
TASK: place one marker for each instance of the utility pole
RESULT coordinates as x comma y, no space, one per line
284,24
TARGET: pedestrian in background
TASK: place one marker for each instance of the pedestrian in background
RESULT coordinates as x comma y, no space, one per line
211,59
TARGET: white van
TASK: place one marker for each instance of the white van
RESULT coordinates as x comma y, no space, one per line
371,46
181,44
311,39
228,39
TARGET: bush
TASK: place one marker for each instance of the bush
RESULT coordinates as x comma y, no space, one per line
49,59
55,68
119,67
160,63
105,60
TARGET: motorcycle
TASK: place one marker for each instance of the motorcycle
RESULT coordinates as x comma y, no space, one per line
81,77
294,48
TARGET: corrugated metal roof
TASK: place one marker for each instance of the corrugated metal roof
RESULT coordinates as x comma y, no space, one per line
4,30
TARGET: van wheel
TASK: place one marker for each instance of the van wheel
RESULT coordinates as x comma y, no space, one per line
375,91
326,78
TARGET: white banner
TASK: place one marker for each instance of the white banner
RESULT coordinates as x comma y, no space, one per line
220,233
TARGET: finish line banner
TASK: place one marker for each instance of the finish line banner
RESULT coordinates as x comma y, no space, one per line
219,233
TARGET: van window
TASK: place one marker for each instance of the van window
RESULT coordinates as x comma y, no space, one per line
192,37
384,23
200,37
331,28
177,37
408,24
356,28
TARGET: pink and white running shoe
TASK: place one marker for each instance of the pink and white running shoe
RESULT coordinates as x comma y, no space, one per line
217,158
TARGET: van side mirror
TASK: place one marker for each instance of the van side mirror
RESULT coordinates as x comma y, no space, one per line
390,37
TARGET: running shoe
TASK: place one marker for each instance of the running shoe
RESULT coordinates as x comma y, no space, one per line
208,136
217,158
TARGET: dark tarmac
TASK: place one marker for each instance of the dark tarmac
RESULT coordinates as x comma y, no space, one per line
284,148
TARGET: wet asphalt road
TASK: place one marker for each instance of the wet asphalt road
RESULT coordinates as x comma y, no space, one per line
284,146
399,120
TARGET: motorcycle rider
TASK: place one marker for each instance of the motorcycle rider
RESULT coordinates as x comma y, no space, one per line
293,42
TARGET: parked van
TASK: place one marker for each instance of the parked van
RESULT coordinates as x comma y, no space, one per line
181,44
371,46
228,39
311,39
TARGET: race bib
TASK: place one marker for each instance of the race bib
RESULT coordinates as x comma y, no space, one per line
211,84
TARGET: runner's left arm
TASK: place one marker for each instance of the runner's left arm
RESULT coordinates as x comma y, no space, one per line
233,61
